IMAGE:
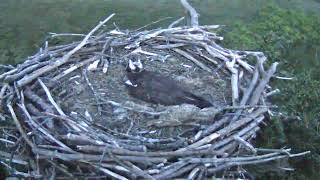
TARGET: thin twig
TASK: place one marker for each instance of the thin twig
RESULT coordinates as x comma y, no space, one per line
63,60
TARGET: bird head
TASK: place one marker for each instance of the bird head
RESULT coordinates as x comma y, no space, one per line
134,66
133,69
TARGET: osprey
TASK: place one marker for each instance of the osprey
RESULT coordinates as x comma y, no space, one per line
158,89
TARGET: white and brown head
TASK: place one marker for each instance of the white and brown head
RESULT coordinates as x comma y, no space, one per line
134,70
134,66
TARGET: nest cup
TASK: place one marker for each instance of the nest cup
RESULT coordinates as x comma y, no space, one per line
70,105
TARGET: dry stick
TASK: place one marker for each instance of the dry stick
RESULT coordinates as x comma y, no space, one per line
261,86
51,98
169,46
242,132
233,144
22,73
193,173
35,59
187,29
210,49
173,168
202,174
14,158
110,173
201,142
242,121
61,168
38,100
190,57
209,59
7,141
239,159
234,80
81,138
226,130
16,91
16,173
9,67
245,143
152,34
190,37
232,159
42,130
89,157
19,127
145,37
285,151
132,107
78,127
247,93
155,22
114,166
220,50
53,35
194,17
215,126
105,61
3,91
60,48
214,52
273,92
29,78
235,87
52,147
8,73
262,160
245,65
142,139
96,96
73,68
179,172
261,60
131,167
174,23
120,151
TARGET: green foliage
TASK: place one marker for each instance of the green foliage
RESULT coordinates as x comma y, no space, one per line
305,102
242,37
293,39
274,136
303,138
276,31
25,24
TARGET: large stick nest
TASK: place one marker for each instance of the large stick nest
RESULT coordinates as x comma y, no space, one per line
73,116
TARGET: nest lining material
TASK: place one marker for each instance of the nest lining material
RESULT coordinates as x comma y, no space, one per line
71,109
110,90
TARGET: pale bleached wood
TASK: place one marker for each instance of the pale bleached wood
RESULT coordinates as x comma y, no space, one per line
194,16
34,75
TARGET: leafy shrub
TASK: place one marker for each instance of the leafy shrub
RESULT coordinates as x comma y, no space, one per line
293,39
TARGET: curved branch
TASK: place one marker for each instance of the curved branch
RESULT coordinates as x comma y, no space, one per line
194,16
